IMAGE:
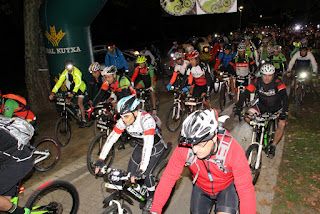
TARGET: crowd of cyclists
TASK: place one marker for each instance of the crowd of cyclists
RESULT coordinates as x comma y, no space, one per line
255,58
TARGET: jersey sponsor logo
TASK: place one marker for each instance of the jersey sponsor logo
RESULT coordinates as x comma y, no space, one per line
269,93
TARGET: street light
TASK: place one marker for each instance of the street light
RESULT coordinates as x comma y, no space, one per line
240,8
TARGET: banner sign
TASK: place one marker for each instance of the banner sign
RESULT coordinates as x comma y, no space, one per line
197,7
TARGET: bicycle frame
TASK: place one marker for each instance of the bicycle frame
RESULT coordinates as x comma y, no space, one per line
44,155
66,109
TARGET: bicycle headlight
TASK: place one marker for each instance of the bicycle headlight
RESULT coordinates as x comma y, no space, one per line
206,49
69,66
136,53
303,75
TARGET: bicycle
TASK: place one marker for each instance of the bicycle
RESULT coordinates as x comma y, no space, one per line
46,153
119,181
264,127
104,118
175,115
240,81
225,90
63,127
145,99
300,87
52,197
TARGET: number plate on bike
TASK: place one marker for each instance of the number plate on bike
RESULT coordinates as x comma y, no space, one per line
112,186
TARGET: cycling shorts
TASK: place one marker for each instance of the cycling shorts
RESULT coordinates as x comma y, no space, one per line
135,160
226,200
198,90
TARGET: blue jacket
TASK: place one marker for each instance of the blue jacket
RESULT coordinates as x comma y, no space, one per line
116,59
226,59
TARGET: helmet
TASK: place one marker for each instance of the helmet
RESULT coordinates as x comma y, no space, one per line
189,48
277,48
141,59
193,54
247,37
304,46
201,125
178,55
128,104
242,46
112,69
227,47
267,69
95,66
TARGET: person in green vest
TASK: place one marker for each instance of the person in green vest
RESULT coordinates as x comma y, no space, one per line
265,49
278,60
251,50
76,87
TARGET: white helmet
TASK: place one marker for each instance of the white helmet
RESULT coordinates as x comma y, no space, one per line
95,66
277,48
267,69
112,69
241,47
178,55
200,126
189,48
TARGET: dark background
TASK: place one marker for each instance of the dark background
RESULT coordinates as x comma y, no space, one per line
139,23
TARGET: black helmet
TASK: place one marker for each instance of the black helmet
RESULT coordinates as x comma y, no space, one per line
128,104
227,46
303,46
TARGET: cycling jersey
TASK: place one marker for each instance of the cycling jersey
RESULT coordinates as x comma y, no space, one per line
216,49
121,88
279,62
73,80
303,62
272,96
94,82
238,172
116,58
264,52
199,75
224,59
143,128
146,75
252,52
243,66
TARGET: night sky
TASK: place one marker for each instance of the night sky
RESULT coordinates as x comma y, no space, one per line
137,23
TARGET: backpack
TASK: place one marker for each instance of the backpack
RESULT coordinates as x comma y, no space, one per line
18,128
21,101
223,148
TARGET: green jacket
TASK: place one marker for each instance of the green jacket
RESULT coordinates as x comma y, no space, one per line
74,78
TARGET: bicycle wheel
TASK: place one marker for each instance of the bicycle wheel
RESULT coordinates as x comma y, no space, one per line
222,98
94,152
63,131
252,156
298,99
46,154
174,118
113,209
54,197
157,172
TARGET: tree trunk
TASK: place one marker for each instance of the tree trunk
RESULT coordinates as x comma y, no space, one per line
37,75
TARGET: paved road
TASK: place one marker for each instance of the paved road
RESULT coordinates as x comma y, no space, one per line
91,190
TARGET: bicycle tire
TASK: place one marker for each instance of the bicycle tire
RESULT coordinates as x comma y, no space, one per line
254,172
97,143
158,170
41,166
53,205
178,120
298,100
113,209
222,98
63,128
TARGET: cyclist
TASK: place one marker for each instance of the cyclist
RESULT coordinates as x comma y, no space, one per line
243,66
199,80
150,58
76,87
251,49
141,125
96,79
235,41
217,49
272,96
221,176
278,60
179,71
115,57
15,105
265,49
144,77
115,87
15,163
